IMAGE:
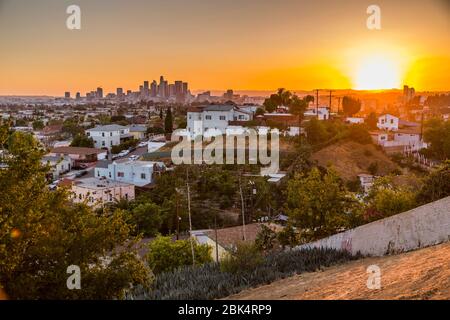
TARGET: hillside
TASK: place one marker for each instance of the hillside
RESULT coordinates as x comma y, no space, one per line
420,274
351,158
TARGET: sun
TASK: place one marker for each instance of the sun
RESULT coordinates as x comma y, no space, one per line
377,72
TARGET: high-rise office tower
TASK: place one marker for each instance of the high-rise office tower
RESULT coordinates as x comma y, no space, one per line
171,90
67,95
178,88
185,88
99,92
78,96
119,92
154,88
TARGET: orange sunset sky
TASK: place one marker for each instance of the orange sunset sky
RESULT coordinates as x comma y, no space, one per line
244,45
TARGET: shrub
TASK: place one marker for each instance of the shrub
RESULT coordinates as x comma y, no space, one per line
246,258
166,255
265,238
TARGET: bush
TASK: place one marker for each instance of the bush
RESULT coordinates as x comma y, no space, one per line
246,258
166,255
209,282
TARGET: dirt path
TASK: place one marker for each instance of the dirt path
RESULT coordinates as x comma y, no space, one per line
421,274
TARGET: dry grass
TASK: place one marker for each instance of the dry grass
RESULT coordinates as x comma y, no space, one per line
351,158
420,274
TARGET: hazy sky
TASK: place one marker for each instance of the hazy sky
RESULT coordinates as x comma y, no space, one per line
212,44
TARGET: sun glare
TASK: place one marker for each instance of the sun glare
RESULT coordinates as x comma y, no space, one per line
377,73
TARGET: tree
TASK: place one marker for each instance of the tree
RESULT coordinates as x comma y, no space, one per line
259,112
147,218
318,204
316,132
385,199
372,121
42,234
436,185
350,105
81,140
437,133
168,122
270,105
38,125
265,238
288,237
167,255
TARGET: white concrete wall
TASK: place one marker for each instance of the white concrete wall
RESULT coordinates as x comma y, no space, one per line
420,227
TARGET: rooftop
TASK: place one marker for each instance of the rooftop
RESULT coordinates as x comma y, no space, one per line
99,184
77,150
109,127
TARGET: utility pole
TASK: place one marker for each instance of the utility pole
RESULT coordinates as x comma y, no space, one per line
317,103
242,206
215,231
189,212
178,215
330,99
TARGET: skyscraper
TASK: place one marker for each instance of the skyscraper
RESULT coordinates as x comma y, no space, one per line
99,93
178,88
119,92
78,96
154,88
185,88
67,95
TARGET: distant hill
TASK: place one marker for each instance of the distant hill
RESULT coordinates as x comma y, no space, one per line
351,158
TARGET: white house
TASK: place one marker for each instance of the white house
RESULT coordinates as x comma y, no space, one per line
109,135
96,192
215,117
366,181
354,120
58,164
322,113
401,140
388,122
138,173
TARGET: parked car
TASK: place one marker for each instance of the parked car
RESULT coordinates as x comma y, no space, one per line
133,157
80,166
81,173
143,144
123,153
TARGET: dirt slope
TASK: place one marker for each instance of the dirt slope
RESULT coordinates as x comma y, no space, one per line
420,274
351,158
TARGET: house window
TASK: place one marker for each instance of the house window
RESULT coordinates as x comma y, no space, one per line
120,174
110,143
103,143
208,117
110,134
241,117
143,176
98,173
126,196
103,134
222,117
109,173
190,116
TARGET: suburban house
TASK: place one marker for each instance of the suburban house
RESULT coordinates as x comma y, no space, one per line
321,113
214,117
354,120
404,139
58,164
97,192
138,131
109,135
366,181
388,122
80,154
138,173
